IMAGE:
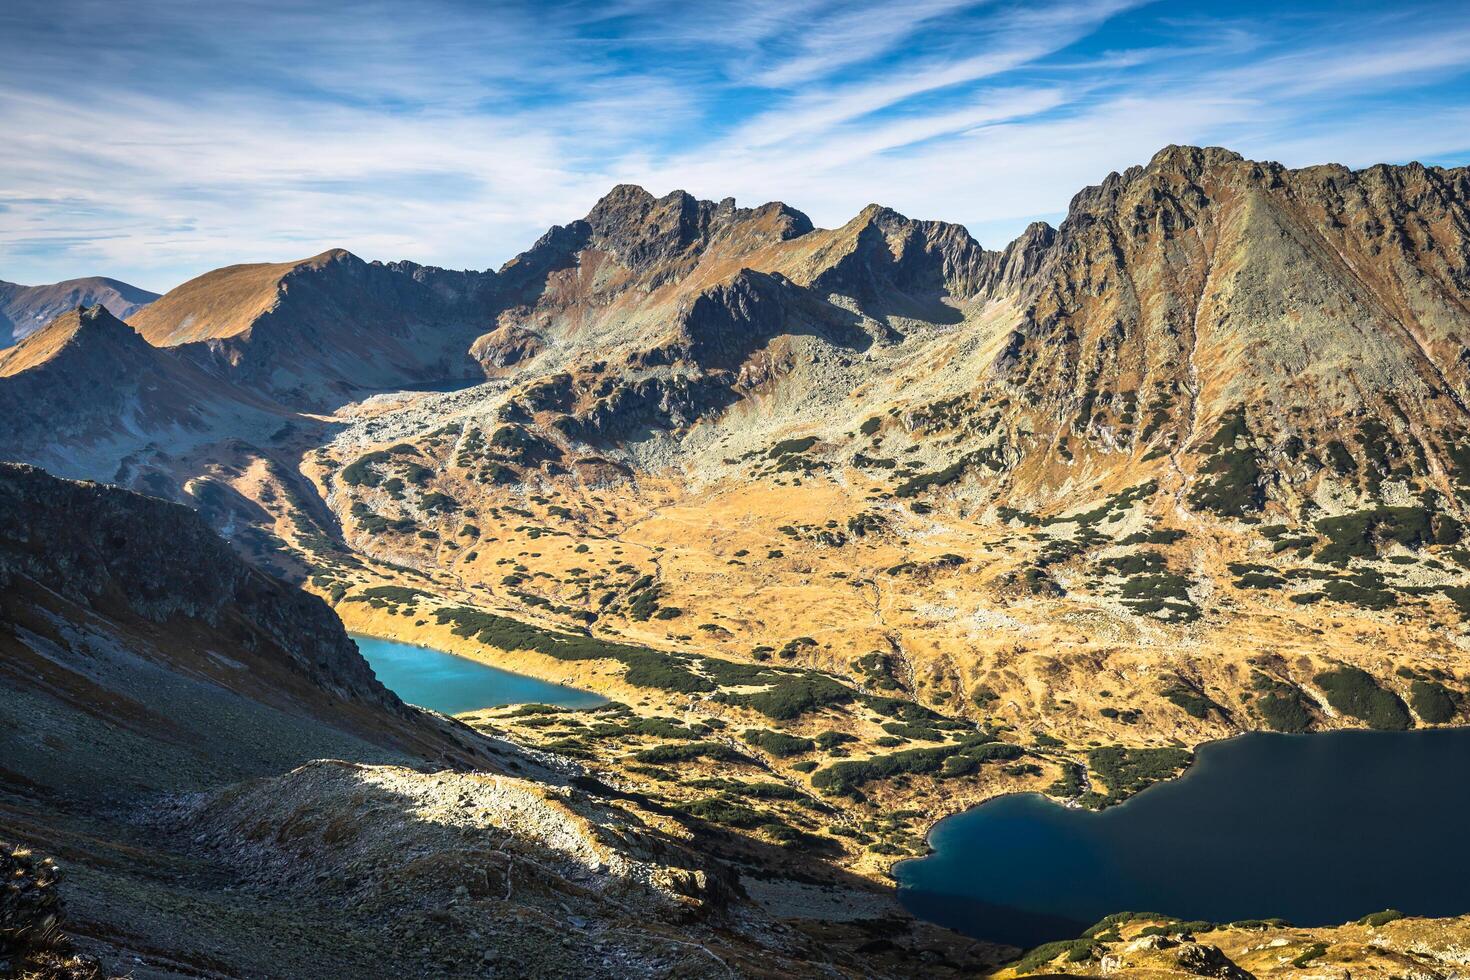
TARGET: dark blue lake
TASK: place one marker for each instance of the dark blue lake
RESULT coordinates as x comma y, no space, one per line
1315,829
432,679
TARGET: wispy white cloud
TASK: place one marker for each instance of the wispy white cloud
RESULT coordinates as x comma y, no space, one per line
154,142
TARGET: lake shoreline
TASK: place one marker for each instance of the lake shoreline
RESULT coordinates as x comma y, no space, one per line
1042,814
454,685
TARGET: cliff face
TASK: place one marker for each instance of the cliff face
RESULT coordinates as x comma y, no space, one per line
1310,307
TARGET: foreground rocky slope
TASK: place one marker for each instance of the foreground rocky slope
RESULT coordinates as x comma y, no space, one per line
145,670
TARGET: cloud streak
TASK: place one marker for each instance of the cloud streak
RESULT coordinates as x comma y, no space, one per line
153,142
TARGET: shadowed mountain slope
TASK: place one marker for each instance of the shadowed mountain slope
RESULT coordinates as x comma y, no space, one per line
170,662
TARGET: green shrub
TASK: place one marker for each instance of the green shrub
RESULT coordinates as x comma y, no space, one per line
720,811
1433,702
788,447
1075,950
795,696
828,741
1194,702
688,752
779,744
1312,952
1283,706
645,667
1381,918
844,777
392,593
1109,923
914,486
437,502
1068,785
1359,534
360,472
920,732
1354,692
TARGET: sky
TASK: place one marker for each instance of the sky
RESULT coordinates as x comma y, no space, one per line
155,141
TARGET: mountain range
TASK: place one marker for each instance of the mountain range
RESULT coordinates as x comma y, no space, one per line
858,527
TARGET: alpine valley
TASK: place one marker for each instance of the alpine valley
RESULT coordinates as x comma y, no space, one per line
855,529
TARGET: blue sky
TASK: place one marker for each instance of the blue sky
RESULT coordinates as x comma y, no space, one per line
154,141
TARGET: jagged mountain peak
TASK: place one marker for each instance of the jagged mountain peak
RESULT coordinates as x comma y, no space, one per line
1192,159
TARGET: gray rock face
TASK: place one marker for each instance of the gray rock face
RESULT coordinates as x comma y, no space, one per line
1208,961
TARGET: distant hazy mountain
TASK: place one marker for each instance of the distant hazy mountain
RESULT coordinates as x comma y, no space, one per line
26,309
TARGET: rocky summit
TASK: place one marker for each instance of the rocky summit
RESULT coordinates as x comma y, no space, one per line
854,528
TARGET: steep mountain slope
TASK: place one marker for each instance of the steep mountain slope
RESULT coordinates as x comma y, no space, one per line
86,392
312,332
1301,309
26,309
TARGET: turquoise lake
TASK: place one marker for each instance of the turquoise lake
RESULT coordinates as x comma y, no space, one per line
444,682
1316,829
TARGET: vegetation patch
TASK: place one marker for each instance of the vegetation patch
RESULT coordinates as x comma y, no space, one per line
779,744
1281,705
1164,595
1127,771
1354,692
1236,488
795,696
844,777
1193,701
645,667
1381,918
1363,533
1433,702
688,752
916,485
